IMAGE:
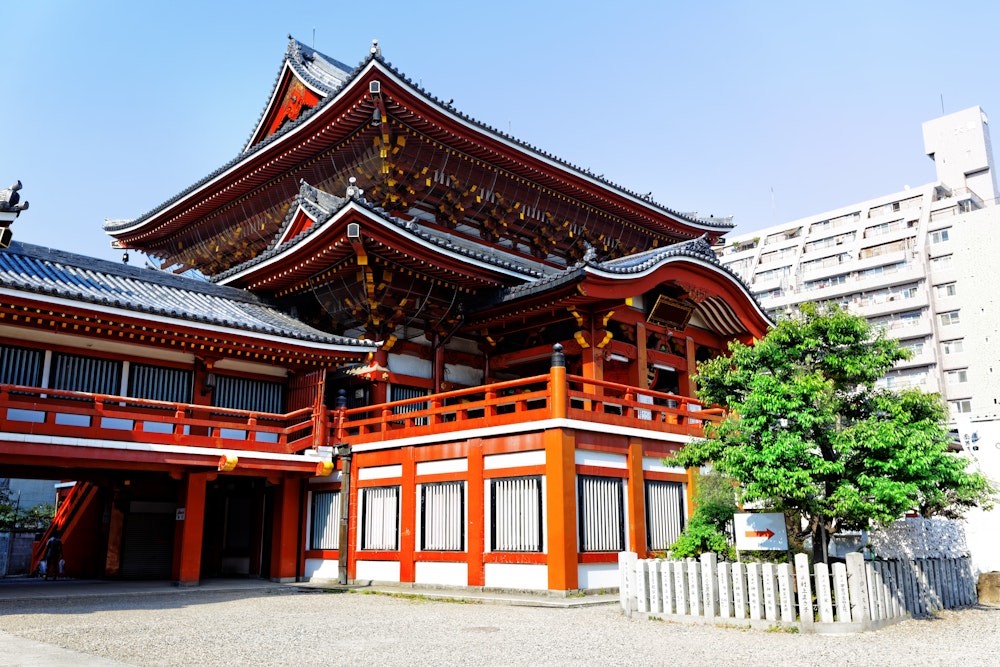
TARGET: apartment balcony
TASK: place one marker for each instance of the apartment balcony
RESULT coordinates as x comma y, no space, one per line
893,303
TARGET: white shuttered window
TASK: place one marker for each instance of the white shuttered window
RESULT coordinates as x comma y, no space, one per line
380,518
324,522
601,512
664,513
442,506
516,508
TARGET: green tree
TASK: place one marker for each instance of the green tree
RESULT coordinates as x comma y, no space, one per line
809,432
714,503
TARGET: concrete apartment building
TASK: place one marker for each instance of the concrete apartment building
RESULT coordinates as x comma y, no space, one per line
919,264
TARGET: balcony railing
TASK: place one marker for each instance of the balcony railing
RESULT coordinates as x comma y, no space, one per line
51,412
522,401
54,412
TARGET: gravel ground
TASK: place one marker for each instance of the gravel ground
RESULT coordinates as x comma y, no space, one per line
316,628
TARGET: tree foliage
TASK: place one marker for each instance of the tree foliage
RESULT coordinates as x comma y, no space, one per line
808,430
714,505
14,517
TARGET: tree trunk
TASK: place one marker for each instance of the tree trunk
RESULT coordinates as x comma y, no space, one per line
820,541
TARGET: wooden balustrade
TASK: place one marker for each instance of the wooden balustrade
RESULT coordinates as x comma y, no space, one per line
117,418
84,415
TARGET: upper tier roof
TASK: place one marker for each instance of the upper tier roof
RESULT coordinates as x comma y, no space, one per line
55,273
258,162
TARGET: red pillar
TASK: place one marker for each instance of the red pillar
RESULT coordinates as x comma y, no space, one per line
560,489
285,530
186,569
636,499
477,531
408,517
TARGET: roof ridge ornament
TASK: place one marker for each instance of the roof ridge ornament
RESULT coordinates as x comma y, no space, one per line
376,50
353,191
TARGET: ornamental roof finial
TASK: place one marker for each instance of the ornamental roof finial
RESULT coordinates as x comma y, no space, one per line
376,49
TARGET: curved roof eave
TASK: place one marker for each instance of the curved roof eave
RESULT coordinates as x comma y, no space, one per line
304,241
310,116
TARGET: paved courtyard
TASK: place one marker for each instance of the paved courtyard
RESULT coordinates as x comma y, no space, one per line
292,626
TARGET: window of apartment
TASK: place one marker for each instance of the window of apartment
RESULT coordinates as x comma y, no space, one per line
902,379
914,347
442,516
960,407
825,282
516,510
824,262
945,290
768,294
883,229
956,377
886,248
952,346
948,318
602,513
940,263
21,366
881,270
380,518
664,513
773,274
939,236
324,520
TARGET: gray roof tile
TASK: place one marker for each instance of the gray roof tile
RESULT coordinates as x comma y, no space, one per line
34,269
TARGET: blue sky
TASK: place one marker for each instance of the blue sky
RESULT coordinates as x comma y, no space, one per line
110,108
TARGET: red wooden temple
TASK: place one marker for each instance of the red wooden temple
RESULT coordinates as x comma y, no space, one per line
475,351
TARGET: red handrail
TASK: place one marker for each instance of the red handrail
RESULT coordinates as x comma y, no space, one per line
121,418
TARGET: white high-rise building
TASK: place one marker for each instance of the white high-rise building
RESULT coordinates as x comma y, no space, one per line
919,264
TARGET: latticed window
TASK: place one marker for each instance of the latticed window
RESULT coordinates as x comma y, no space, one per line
159,383
76,373
442,508
398,392
324,520
516,509
664,513
601,510
20,365
246,394
380,518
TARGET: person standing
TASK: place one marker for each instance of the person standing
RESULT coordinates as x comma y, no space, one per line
53,557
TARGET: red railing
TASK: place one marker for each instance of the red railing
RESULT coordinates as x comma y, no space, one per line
100,416
519,402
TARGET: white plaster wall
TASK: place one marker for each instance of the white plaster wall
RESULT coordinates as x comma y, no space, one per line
377,570
517,576
598,575
442,466
586,457
322,569
441,574
514,460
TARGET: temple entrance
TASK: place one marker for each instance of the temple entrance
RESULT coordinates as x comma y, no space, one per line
237,537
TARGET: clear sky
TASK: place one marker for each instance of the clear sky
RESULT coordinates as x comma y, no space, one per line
766,111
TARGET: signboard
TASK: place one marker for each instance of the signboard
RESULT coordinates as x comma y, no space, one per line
764,531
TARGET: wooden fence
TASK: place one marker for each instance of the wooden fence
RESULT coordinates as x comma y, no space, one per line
854,596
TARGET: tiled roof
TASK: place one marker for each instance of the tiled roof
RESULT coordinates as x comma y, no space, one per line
624,266
30,268
324,206
296,55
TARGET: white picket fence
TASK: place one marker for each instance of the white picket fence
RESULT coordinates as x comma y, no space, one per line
853,597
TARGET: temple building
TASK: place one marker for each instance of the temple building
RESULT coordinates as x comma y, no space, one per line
423,351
